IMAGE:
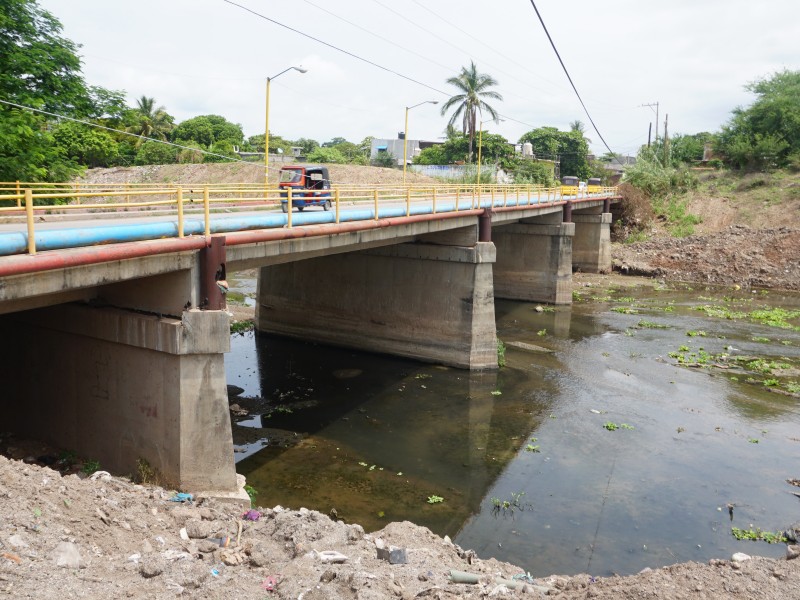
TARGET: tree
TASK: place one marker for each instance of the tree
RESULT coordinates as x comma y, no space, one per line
767,133
39,69
209,129
156,153
494,147
473,88
86,145
326,155
570,147
149,121
307,145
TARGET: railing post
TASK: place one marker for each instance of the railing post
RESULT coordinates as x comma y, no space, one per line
336,198
458,197
434,200
289,207
505,195
375,197
472,204
179,194
19,200
29,220
492,196
408,202
206,212
77,192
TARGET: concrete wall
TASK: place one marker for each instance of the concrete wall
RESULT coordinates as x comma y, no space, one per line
591,249
118,386
424,301
534,260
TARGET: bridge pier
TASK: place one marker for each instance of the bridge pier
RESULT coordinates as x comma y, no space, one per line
120,386
425,301
534,260
591,250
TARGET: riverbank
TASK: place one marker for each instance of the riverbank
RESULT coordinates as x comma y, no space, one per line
105,537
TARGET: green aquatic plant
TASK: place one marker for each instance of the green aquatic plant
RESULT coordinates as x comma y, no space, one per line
532,448
757,534
643,324
435,499
610,426
693,333
625,310
501,353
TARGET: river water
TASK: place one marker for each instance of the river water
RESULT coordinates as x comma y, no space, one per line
593,450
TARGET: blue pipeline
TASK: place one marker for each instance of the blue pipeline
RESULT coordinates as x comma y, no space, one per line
61,239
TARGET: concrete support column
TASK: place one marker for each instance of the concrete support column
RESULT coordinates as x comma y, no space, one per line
591,250
119,387
534,262
424,301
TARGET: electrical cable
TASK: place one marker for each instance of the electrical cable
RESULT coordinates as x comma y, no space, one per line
329,45
136,135
563,66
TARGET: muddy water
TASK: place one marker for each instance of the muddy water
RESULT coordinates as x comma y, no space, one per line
527,461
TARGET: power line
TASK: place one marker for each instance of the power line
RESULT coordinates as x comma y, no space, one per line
136,135
566,72
329,45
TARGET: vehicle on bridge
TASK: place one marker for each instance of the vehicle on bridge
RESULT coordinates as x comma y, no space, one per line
310,186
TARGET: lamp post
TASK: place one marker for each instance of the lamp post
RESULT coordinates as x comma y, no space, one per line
405,135
480,139
266,120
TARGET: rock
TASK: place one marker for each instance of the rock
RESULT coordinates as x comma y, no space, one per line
792,551
740,557
207,546
16,541
197,529
393,555
331,556
151,566
259,558
328,576
68,556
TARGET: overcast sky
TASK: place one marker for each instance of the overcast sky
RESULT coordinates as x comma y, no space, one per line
199,57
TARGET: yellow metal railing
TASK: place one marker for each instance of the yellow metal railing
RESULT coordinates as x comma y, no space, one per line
20,198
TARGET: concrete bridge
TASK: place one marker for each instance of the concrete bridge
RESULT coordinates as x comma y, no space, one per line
117,351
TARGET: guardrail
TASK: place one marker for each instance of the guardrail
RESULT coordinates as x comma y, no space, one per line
146,199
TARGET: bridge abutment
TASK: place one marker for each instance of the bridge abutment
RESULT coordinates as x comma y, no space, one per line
591,250
534,261
428,302
124,387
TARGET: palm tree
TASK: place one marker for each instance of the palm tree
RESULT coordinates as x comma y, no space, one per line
579,127
151,122
474,88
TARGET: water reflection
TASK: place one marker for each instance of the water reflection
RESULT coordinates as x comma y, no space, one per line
378,436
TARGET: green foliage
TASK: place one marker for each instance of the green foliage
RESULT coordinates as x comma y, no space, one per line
90,466
148,121
252,493
41,69
766,134
326,155
494,148
526,170
385,159
650,175
501,353
86,145
222,148
156,153
193,153
308,145
207,130
473,90
756,534
435,499
569,146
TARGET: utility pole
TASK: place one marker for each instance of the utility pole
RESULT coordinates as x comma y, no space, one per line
650,106
649,133
666,139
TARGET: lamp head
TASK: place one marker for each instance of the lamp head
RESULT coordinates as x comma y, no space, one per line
301,69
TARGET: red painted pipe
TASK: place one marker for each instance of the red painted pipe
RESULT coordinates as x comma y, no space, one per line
63,259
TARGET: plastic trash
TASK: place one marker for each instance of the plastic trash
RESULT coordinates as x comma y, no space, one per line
251,515
222,542
463,577
181,497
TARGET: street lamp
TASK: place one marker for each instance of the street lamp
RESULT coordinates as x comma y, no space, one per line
266,119
405,135
480,139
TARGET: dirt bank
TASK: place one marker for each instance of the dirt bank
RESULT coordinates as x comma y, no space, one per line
737,255
105,537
